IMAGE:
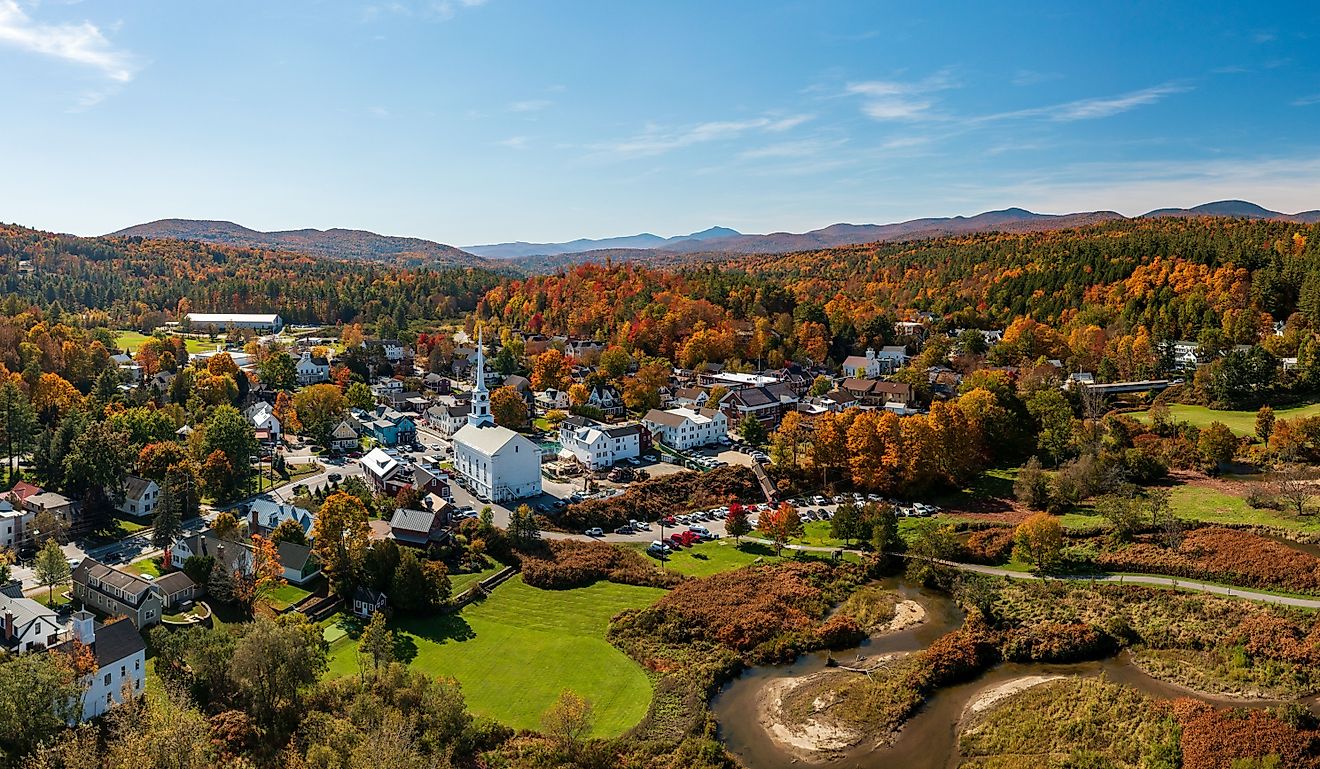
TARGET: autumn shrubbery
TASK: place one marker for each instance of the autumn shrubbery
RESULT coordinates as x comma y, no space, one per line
1220,739
564,564
667,495
1056,642
990,546
1221,555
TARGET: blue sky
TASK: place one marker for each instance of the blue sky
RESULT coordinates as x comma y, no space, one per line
474,121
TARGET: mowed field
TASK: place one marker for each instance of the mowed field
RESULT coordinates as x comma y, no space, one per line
1240,422
130,341
518,649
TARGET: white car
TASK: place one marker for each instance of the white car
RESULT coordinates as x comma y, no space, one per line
595,532
658,548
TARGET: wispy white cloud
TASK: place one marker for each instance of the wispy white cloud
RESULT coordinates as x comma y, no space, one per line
656,140
899,100
1025,77
530,105
1090,109
1306,101
82,43
428,10
514,142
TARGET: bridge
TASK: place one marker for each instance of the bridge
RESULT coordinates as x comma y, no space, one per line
1144,385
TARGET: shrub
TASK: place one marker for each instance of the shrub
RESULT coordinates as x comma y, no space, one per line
1215,739
564,564
1056,642
668,495
1221,555
990,546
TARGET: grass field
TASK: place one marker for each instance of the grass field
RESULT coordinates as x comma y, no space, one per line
1201,503
460,582
130,341
517,650
1240,422
150,567
285,596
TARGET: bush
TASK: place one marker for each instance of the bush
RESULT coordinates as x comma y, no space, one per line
668,495
1056,642
564,564
990,546
1221,555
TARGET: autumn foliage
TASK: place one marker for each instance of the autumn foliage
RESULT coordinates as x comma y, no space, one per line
1221,555
564,564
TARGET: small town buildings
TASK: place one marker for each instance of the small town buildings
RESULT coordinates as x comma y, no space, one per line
597,446
140,497
221,322
448,418
734,381
387,426
114,593
552,399
391,349
312,369
344,437
429,479
767,404
877,393
26,625
15,525
385,472
265,514
892,358
862,366
300,566
607,399
264,422
121,662
523,387
420,528
691,397
367,602
176,589
58,505
913,328
493,462
683,428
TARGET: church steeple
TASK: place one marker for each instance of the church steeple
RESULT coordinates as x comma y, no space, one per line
480,416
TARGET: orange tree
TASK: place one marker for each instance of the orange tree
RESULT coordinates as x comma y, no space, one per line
340,536
780,525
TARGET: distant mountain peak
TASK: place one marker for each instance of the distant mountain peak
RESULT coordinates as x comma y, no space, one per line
644,240
335,243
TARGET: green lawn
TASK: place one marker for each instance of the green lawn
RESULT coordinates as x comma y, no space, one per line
130,341
1205,504
150,567
461,582
285,596
517,650
1240,422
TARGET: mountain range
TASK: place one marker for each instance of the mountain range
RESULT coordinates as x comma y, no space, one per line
338,243
536,257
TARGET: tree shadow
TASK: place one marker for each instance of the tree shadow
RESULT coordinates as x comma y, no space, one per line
757,548
405,648
440,629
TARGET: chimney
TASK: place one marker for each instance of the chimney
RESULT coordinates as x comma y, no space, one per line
84,628
9,625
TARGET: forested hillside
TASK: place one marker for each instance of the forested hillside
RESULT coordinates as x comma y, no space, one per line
137,282
1108,285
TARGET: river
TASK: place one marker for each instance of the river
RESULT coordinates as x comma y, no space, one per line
929,740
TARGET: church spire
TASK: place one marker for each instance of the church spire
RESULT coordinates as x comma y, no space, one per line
480,416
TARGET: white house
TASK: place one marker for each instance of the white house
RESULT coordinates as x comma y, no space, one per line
608,399
26,625
121,662
344,437
262,416
385,471
14,525
683,428
140,497
862,366
551,399
448,418
597,446
312,369
265,514
493,462
892,358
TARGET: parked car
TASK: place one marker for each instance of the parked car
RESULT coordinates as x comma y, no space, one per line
702,530
625,529
595,531
335,477
658,548
640,525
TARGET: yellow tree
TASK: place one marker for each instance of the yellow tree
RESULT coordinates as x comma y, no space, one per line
508,408
53,395
1039,539
340,540
550,370
252,588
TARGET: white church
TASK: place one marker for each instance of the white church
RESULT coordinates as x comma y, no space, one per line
494,463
